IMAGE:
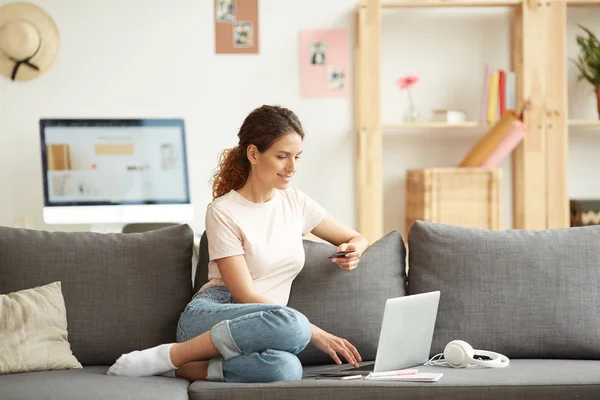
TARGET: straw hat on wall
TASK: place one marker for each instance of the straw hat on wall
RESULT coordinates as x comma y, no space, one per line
28,41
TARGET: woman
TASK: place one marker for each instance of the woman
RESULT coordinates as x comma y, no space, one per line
237,328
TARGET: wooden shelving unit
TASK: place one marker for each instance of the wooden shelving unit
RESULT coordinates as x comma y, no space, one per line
448,3
581,3
433,125
538,56
435,129
584,123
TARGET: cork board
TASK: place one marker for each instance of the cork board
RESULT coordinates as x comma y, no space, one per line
236,26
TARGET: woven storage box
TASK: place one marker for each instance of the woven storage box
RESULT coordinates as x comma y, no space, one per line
458,196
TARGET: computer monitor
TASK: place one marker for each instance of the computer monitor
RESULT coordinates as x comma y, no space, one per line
107,171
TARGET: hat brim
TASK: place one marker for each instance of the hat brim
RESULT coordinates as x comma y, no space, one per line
48,51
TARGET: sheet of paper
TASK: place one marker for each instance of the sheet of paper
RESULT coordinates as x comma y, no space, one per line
418,377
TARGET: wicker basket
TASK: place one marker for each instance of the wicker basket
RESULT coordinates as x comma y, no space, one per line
458,196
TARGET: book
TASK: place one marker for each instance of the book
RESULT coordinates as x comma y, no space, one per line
511,90
501,92
498,95
493,98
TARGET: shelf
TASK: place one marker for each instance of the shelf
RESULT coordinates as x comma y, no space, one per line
474,125
478,3
452,3
432,125
435,129
584,123
582,3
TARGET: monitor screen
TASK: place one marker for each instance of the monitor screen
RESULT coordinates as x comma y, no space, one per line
108,164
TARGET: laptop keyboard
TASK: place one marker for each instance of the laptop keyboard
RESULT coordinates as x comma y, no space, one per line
366,368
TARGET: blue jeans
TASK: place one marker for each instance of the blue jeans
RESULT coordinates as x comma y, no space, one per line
257,342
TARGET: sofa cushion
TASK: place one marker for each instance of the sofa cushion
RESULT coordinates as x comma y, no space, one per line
526,294
349,304
201,276
33,331
122,291
333,299
90,383
524,379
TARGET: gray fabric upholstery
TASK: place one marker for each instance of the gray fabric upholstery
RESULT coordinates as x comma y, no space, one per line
523,379
89,383
331,298
122,291
527,294
201,276
349,304
145,227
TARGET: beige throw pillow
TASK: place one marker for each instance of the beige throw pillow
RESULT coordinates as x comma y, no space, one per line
33,331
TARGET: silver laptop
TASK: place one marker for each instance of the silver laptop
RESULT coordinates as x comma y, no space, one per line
405,336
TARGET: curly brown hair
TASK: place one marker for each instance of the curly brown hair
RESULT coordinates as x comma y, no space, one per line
262,127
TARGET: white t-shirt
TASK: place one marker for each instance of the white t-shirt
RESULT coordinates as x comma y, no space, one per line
268,234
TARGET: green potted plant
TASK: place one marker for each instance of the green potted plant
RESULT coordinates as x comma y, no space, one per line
588,61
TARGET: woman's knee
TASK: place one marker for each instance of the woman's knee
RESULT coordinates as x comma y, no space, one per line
296,329
287,367
280,366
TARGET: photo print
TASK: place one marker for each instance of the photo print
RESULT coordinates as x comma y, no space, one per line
336,79
225,10
318,53
243,34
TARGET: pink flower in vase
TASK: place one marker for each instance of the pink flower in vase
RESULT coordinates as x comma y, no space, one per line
405,83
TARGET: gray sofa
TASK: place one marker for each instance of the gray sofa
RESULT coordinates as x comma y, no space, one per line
530,295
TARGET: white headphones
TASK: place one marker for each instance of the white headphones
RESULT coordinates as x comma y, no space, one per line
460,354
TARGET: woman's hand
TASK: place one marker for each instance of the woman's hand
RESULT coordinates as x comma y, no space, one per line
350,260
334,345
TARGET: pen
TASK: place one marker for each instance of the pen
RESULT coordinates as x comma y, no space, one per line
394,373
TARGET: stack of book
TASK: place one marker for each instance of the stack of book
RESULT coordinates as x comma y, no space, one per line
498,105
499,94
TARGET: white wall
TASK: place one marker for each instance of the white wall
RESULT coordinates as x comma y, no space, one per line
141,58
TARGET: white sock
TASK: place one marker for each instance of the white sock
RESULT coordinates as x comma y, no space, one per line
153,361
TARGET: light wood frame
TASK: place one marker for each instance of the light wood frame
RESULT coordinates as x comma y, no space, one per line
539,163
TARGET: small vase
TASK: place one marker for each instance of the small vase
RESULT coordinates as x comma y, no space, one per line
411,115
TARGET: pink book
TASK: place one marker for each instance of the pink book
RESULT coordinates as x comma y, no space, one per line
502,91
513,137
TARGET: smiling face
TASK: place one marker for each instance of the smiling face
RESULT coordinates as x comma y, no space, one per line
274,168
